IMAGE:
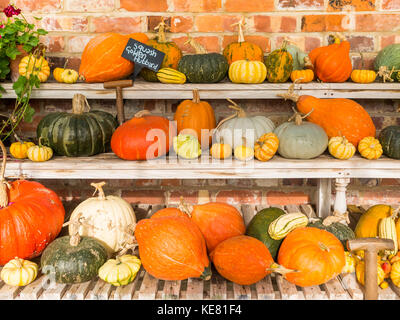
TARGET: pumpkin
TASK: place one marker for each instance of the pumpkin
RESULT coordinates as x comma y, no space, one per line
36,65
242,50
395,274
244,152
108,219
242,259
221,150
360,273
370,148
302,76
217,221
19,149
71,259
101,59
19,272
314,256
258,228
389,138
338,116
245,71
143,137
301,60
341,148
169,75
233,128
387,62
39,153
77,134
169,212
362,75
31,217
187,146
197,118
350,265
300,139
332,63
266,146
172,248
203,67
279,64
121,270
172,52
367,225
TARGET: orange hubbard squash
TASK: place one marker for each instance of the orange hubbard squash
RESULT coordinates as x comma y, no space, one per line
169,212
102,61
316,255
242,259
172,248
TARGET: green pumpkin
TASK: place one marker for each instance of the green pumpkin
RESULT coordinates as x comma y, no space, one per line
300,58
203,67
390,141
67,263
279,65
300,139
78,133
258,228
338,229
389,57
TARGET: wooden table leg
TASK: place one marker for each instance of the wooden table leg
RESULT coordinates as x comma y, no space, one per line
340,204
323,198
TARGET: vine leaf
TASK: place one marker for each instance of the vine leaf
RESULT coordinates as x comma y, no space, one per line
28,115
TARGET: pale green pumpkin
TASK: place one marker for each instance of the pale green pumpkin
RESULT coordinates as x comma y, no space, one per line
300,58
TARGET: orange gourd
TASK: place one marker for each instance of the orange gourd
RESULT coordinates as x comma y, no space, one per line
317,256
194,116
169,212
172,248
102,61
242,259
217,221
338,117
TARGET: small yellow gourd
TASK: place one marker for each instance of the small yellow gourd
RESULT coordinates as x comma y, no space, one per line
169,75
31,64
362,75
187,146
69,76
370,148
243,152
19,149
302,76
266,146
360,273
351,262
221,150
120,271
395,274
40,153
19,272
341,148
246,71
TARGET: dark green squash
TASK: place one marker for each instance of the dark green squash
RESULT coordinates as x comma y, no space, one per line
338,229
203,67
78,133
258,228
389,58
390,141
66,263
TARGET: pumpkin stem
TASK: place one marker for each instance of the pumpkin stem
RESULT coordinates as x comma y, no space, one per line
75,223
185,207
290,94
80,104
240,113
161,27
276,268
336,217
196,96
99,187
18,262
3,183
17,138
195,45
385,74
241,23
362,60
142,113
129,242
307,63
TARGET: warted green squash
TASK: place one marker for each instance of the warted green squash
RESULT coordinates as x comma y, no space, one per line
279,64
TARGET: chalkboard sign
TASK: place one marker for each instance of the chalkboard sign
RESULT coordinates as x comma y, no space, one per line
143,56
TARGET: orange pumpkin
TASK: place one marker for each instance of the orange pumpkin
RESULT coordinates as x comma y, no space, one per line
317,256
172,248
169,212
102,61
194,116
242,259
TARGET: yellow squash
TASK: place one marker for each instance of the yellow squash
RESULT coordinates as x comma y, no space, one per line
360,273
19,150
367,225
302,76
246,71
187,146
363,76
169,75
221,150
370,148
351,262
387,230
341,148
19,272
34,65
120,271
395,274
40,153
243,152
266,146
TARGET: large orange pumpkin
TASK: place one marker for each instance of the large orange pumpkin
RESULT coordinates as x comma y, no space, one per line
242,259
172,248
338,117
195,116
316,255
102,61
143,137
31,216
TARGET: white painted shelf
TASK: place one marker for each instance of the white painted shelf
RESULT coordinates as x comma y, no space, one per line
148,90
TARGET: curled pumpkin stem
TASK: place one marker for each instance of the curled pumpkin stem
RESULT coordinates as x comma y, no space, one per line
276,268
99,188
185,207
142,113
336,217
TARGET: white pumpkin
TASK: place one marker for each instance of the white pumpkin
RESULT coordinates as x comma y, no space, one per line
238,126
108,219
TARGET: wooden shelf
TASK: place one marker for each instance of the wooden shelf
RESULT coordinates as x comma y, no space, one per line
223,90
109,166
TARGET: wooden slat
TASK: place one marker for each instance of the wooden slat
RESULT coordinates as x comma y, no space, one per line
9,292
308,210
171,290
78,291
394,288
288,290
387,294
127,292
351,285
335,290
218,288
34,290
264,289
313,293
101,291
194,289
241,292
291,208
148,289
55,291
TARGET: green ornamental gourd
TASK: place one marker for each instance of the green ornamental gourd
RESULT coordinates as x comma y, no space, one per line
258,228
301,139
279,64
388,59
203,67
80,133
300,58
389,138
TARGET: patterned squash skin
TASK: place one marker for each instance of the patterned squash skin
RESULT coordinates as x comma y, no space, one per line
363,76
390,141
266,146
169,75
340,148
245,71
389,57
302,76
370,148
279,65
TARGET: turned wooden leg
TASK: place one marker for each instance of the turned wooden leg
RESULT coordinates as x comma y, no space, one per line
340,204
324,198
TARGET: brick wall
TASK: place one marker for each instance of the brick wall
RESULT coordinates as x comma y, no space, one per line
368,24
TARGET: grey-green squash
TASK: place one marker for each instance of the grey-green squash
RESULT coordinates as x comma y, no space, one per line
79,133
389,58
338,229
300,58
258,228
389,138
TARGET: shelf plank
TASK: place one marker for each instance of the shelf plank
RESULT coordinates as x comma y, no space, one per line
241,292
148,289
288,290
171,290
264,289
78,291
195,288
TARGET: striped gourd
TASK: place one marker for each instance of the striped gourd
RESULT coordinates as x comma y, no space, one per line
169,75
341,148
281,226
39,153
279,64
245,71
387,230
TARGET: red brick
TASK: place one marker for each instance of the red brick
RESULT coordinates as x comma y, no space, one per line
388,40
312,43
292,182
146,182
275,24
373,197
301,4
352,5
123,25
4,3
248,6
390,4
195,5
38,6
89,5
181,24
170,182
144,196
239,196
262,41
285,198
189,197
216,23
53,43
30,126
56,23
211,44
361,43
323,23
368,64
78,43
377,22
390,182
